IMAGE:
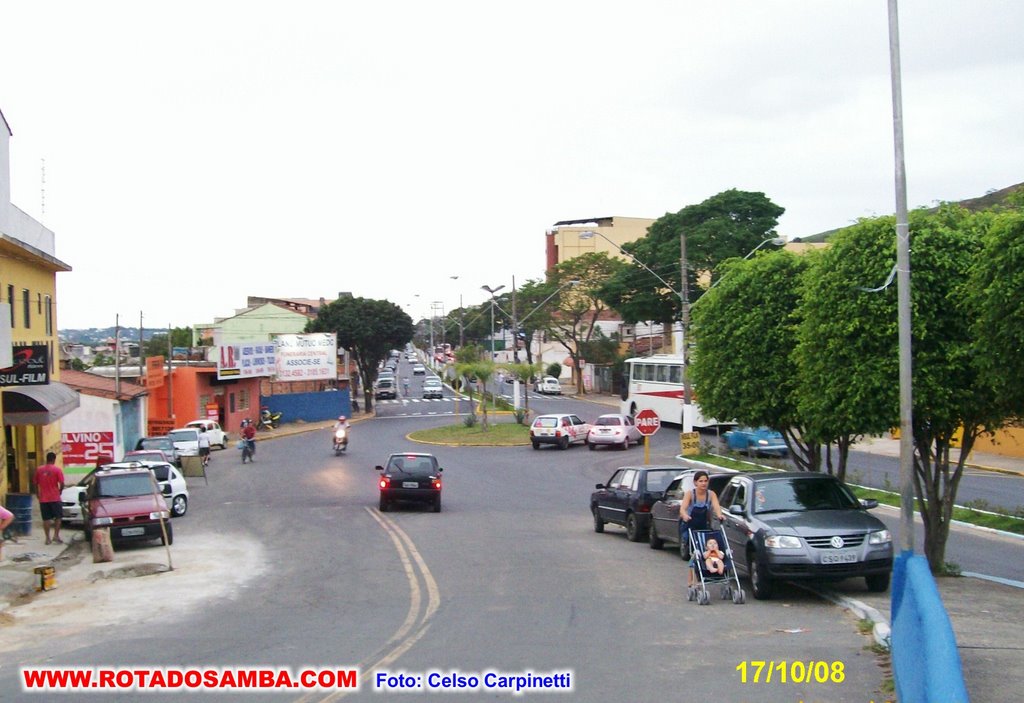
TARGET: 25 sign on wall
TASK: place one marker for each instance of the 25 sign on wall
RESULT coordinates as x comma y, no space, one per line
83,448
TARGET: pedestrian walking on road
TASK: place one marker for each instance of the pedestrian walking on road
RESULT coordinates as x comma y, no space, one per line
49,481
204,447
249,437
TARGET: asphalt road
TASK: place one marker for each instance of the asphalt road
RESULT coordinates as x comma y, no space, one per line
509,578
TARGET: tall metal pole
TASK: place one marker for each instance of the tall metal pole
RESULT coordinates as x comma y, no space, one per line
515,325
902,294
684,305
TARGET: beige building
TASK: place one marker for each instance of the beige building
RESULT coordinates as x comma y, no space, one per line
563,241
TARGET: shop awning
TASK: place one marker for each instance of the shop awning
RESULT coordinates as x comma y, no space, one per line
38,405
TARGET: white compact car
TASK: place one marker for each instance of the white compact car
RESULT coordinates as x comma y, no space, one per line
560,429
218,437
614,430
548,384
172,486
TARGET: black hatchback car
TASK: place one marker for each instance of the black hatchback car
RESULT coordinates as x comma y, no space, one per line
787,526
412,478
627,497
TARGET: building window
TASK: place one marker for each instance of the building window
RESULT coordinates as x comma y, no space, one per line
10,299
39,303
26,300
243,399
48,315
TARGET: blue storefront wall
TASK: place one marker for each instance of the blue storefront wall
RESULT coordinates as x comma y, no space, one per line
309,407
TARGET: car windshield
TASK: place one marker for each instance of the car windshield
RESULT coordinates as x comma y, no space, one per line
125,485
414,465
431,382
609,420
659,480
156,443
184,436
800,494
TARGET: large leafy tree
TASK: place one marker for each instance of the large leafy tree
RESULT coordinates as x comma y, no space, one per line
742,365
157,344
576,307
726,225
848,349
997,291
368,329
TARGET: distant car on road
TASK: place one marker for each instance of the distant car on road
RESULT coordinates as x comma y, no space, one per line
798,525
433,388
419,370
548,384
217,436
759,441
626,498
186,441
410,478
614,430
558,429
385,388
163,443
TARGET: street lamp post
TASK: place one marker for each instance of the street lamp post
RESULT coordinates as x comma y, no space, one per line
492,291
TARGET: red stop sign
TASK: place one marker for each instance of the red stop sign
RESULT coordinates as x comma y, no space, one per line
647,422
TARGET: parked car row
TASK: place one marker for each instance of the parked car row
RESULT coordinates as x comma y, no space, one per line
565,429
779,526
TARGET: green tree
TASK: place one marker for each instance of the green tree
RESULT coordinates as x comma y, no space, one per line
576,308
157,344
848,349
525,373
369,329
997,295
742,367
729,224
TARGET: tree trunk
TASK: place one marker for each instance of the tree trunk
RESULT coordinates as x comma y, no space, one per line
806,455
936,486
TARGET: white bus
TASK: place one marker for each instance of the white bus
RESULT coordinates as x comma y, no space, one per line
656,383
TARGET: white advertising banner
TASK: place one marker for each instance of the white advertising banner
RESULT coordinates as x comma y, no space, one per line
307,357
246,360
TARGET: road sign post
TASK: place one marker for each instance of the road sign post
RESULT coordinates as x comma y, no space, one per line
647,422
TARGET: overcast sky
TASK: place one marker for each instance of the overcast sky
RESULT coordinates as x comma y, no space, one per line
200,152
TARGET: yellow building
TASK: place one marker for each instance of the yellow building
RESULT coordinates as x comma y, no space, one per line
33,399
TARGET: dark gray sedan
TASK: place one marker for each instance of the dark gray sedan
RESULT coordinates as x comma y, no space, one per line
788,526
665,512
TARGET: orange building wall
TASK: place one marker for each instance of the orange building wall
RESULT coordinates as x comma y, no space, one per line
192,383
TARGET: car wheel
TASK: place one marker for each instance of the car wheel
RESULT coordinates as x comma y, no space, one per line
760,581
625,444
437,504
598,522
591,445
536,445
633,531
563,443
169,540
179,506
384,505
877,583
653,539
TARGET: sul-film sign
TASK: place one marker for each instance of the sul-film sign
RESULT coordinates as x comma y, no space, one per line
307,357
245,360
31,366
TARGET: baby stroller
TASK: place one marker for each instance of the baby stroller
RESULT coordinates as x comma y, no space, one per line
711,561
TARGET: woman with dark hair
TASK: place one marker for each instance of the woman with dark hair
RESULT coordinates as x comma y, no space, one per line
695,509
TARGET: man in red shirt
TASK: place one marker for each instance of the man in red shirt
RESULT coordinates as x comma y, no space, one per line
49,480
249,437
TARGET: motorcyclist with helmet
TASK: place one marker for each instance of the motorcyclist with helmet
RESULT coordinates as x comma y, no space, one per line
341,432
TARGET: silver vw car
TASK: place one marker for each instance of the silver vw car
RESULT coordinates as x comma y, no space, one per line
788,526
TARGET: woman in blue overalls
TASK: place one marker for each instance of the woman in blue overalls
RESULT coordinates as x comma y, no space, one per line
694,510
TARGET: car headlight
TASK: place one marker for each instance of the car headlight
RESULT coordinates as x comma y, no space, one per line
782,542
880,537
100,521
156,515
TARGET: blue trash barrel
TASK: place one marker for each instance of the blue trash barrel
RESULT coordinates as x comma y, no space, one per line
21,505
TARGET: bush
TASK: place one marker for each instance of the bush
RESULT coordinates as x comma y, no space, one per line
554,370
521,416
469,420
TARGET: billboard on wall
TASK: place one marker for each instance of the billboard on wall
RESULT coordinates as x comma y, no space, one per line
31,366
84,448
307,357
245,360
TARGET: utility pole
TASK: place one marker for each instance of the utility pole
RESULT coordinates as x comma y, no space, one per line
515,325
684,322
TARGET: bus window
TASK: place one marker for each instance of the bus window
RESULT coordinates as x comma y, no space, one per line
675,374
662,373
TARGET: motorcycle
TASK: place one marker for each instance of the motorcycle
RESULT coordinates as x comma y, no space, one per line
269,420
340,440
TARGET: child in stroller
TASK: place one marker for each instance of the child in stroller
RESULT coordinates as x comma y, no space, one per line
709,564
